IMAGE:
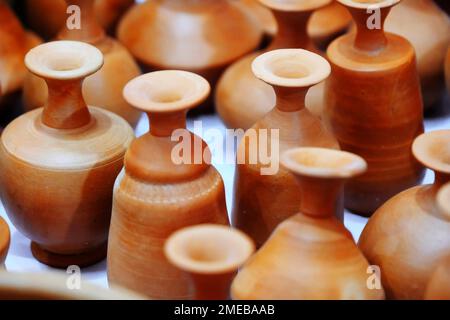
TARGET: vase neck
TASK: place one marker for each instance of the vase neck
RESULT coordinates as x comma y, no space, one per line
290,99
65,107
164,124
89,30
292,30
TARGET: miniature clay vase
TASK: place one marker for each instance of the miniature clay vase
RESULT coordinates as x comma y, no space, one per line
103,88
54,286
211,255
311,255
427,28
439,286
201,36
374,107
410,228
263,15
5,239
159,193
109,12
241,99
59,163
264,194
447,69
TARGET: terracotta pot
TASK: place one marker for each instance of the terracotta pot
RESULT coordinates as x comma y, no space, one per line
410,229
158,193
47,17
311,255
430,39
59,163
263,15
54,286
374,107
4,241
104,88
206,43
447,69
263,195
211,255
241,99
439,286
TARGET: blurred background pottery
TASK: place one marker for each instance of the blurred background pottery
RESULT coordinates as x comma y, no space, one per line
447,69
264,194
241,99
158,193
374,107
311,255
104,88
409,235
439,286
4,242
211,255
59,163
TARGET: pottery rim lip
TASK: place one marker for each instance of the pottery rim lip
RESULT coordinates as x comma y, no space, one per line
137,92
177,248
5,237
295,5
443,200
315,67
74,60
369,4
428,145
309,161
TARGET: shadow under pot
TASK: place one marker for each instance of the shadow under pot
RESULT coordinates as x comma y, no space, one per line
59,162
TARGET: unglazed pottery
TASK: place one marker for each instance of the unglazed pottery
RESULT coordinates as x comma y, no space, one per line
374,106
409,235
54,286
159,193
447,69
311,255
211,255
241,99
264,194
201,36
427,27
59,163
439,286
4,241
104,88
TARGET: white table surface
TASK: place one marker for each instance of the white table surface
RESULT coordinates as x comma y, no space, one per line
20,259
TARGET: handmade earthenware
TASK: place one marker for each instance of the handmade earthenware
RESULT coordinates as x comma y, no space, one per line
104,88
167,184
409,235
201,36
241,99
59,163
374,106
447,69
211,255
264,194
311,255
438,287
4,241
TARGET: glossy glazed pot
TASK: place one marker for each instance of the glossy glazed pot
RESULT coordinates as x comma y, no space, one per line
5,238
242,99
427,27
264,193
59,163
374,107
311,255
410,229
206,43
159,193
211,255
53,286
104,88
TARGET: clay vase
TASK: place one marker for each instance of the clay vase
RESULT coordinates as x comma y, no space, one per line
439,286
211,255
430,39
447,69
59,163
263,15
54,286
159,193
410,228
374,106
5,238
264,194
206,43
311,255
104,88
241,99
109,12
